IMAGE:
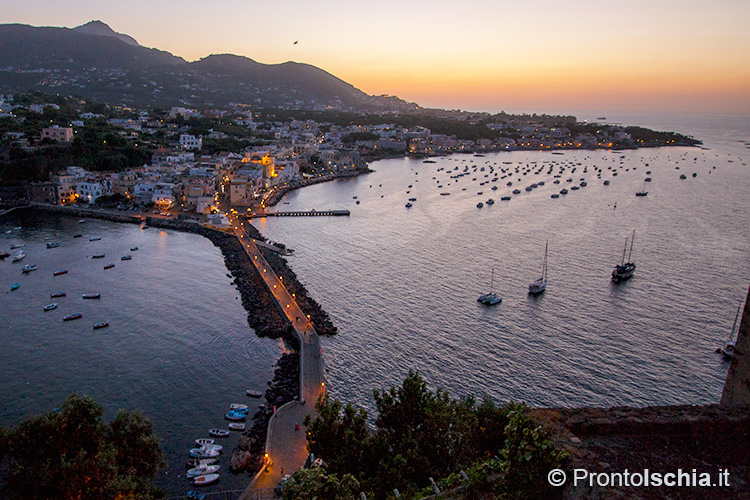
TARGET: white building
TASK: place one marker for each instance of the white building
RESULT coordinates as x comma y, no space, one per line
91,189
188,141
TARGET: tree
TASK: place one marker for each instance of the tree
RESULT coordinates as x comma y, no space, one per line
70,453
316,484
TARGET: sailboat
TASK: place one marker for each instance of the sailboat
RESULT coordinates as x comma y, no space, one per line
540,284
490,299
643,191
625,270
728,349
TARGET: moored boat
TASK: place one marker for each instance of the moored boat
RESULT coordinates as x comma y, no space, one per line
13,246
60,272
218,432
15,286
235,416
253,394
57,294
728,350
18,256
126,257
72,316
197,462
195,495
236,426
95,238
540,285
491,298
4,255
238,406
91,295
28,268
133,249
97,256
203,453
204,480
53,245
77,236
204,441
103,324
625,270
49,307
202,471
109,266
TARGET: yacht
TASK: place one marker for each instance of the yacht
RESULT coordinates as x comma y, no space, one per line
540,284
490,299
625,270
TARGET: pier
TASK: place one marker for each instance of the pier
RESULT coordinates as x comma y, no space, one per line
302,213
286,447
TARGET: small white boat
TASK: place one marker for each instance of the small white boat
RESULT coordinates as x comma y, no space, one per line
213,447
97,256
198,462
13,246
219,432
237,406
207,479
253,394
95,238
20,255
236,426
203,453
28,268
202,471
82,221
204,441
49,307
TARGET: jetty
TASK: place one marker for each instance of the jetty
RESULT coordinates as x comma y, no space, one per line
286,444
302,213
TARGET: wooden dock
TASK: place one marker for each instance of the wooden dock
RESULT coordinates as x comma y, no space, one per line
307,213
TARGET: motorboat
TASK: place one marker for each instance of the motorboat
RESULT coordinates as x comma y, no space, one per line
91,295
197,462
104,324
18,256
49,307
133,249
77,235
238,406
126,257
72,316
109,266
218,432
195,495
14,246
57,294
95,238
480,204
97,256
60,272
253,394
53,245
204,480
236,426
15,286
28,268
235,416
202,471
203,453
4,255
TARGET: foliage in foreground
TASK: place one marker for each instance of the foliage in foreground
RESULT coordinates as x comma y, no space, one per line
421,434
315,484
71,453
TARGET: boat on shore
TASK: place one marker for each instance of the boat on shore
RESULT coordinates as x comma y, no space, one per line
60,272
625,270
49,307
491,298
103,324
72,316
91,295
540,285
55,295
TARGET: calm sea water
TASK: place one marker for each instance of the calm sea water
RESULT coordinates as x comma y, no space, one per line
178,346
401,284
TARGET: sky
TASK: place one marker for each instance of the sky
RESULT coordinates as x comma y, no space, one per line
491,55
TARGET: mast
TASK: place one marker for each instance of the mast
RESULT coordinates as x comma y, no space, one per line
623,252
631,246
544,267
492,279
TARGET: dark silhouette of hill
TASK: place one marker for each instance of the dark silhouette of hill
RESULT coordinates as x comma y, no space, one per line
94,61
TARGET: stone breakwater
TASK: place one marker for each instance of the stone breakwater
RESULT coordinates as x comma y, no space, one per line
248,456
276,196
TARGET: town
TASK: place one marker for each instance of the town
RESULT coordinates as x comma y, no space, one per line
187,162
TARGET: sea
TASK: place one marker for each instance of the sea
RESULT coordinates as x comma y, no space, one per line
401,286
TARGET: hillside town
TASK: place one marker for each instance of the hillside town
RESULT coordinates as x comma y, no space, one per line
240,157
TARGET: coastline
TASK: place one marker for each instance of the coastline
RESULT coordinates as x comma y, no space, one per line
262,316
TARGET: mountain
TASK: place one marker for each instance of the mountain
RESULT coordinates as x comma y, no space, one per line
101,29
94,61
